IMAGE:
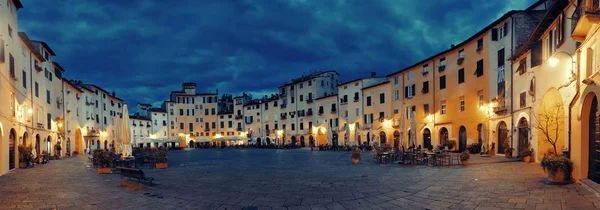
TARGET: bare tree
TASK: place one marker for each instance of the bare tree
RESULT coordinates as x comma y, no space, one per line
548,122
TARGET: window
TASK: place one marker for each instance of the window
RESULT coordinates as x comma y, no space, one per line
522,100
550,44
24,79
461,54
181,126
222,124
410,76
292,101
396,95
443,82
49,120
522,66
12,104
181,112
426,108
301,97
461,76
479,70
560,30
479,44
480,98
294,125
500,57
356,96
443,107
425,88
11,63
2,50
37,90
395,111
10,31
382,98
426,68
48,96
462,103
309,82
368,100
357,112
442,62
301,85
395,80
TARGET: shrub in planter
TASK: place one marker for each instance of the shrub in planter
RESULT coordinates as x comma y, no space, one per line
559,169
160,158
103,159
450,144
526,155
355,155
25,156
508,152
75,153
464,158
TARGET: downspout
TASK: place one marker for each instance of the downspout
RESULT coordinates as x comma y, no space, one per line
573,101
512,116
31,90
433,107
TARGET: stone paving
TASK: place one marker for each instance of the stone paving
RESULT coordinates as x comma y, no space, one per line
290,179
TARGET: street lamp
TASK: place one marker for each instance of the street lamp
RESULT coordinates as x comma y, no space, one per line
554,61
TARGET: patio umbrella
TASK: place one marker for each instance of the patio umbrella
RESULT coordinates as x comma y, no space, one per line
118,146
413,128
125,132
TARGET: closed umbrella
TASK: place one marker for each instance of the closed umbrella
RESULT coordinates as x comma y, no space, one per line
413,128
125,133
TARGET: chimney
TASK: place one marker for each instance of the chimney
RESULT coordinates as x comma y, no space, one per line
452,46
373,74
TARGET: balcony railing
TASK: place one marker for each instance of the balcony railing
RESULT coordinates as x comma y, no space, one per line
310,100
355,99
283,105
333,110
309,113
206,129
238,117
586,14
238,129
39,125
500,107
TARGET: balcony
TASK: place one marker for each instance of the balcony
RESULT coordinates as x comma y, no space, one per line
206,129
238,117
441,68
586,15
38,68
309,101
39,125
238,129
283,105
459,61
134,125
500,106
355,99
148,125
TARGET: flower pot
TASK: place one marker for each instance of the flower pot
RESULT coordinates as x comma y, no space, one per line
22,165
160,165
557,177
104,171
527,159
464,162
355,161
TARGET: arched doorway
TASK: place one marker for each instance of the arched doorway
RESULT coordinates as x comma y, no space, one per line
97,144
191,144
293,140
462,138
49,145
311,141
258,141
427,138
106,144
409,138
302,143
112,145
12,144
481,134
268,140
502,132
368,138
594,142
78,140
25,139
358,138
382,138
443,136
523,135
397,139
38,144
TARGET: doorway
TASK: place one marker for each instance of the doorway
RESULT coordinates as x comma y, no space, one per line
502,137
427,138
462,138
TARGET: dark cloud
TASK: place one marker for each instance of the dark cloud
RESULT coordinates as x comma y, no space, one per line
145,49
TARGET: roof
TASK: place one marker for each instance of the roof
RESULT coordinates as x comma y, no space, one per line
460,45
157,110
45,46
308,77
324,97
29,44
375,85
99,88
72,85
551,14
351,81
535,4
58,66
18,4
143,104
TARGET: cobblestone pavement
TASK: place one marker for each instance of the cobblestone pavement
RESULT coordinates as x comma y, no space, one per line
290,179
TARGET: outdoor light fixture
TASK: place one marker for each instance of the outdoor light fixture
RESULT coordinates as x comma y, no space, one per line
323,130
351,127
279,132
430,117
387,123
30,111
315,129
553,61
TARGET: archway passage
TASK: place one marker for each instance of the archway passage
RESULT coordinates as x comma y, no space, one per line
78,140
268,140
397,139
25,139
311,141
523,135
191,144
12,144
258,141
38,144
293,140
594,142
502,132
427,138
462,138
302,143
443,136
382,138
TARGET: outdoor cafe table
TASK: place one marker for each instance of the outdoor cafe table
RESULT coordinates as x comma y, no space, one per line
381,156
432,156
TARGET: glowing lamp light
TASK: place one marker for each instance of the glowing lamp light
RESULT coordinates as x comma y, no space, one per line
218,136
482,108
30,111
315,130
60,125
279,132
553,61
351,127
387,123
429,117
323,130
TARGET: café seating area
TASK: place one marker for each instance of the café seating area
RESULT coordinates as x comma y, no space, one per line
415,156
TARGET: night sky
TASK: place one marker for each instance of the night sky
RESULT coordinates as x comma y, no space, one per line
145,49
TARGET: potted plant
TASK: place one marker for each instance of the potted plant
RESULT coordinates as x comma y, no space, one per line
492,150
526,154
58,148
559,169
24,156
508,152
355,156
450,144
160,158
103,159
75,153
464,158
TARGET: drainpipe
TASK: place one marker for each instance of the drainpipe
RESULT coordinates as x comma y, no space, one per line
512,116
572,103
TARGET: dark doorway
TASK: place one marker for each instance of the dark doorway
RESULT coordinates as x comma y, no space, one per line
523,135
397,139
443,136
258,142
594,128
502,137
302,142
311,141
462,138
268,141
191,143
382,138
12,143
293,140
427,138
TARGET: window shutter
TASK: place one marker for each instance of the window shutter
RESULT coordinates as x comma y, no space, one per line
413,89
536,54
1,50
494,34
406,92
505,28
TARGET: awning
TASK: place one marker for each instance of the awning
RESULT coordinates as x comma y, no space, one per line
203,140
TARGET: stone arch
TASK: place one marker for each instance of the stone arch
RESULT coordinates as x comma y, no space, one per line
26,141
523,135
427,138
444,135
502,132
268,139
302,141
589,137
12,149
462,138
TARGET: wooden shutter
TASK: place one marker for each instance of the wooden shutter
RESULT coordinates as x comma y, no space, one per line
413,90
494,34
536,54
406,92
505,30
1,50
